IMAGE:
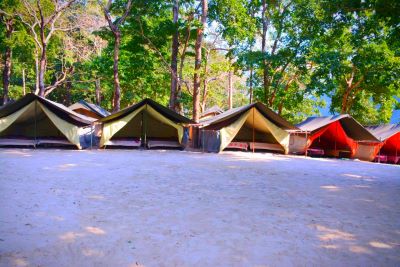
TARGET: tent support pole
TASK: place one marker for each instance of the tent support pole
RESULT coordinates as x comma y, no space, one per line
202,139
379,154
253,130
91,135
306,143
335,139
145,126
35,131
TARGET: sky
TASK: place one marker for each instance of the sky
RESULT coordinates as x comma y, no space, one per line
325,111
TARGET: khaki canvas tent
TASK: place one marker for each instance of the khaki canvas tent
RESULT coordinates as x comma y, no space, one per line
35,121
147,124
334,136
89,109
249,127
211,112
389,149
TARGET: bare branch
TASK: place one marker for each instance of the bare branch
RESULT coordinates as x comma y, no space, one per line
60,80
126,13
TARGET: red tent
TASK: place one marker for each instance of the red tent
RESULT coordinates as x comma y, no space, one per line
389,134
337,136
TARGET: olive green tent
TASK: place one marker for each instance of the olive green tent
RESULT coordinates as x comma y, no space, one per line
34,120
254,126
143,123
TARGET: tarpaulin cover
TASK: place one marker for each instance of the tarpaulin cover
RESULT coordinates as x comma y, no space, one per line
210,140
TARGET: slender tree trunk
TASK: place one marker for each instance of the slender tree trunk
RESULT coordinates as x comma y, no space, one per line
264,49
68,87
197,64
42,70
173,99
23,82
36,71
7,61
230,90
251,85
117,87
98,91
203,101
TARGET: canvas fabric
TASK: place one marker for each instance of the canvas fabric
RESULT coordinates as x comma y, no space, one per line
113,127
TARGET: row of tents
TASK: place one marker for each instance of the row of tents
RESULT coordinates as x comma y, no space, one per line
35,121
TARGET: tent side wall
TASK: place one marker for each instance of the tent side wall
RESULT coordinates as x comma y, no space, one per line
298,143
366,151
87,113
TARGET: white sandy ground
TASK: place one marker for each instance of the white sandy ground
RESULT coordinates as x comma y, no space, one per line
173,208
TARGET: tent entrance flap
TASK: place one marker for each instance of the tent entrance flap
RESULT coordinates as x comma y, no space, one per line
252,126
35,121
145,123
333,139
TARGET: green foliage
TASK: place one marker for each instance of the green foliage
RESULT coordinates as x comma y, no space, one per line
319,46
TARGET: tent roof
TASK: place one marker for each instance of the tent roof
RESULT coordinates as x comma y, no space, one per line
268,113
352,127
170,114
384,131
57,108
90,106
213,109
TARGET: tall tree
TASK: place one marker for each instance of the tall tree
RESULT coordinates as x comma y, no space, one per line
115,28
174,59
41,18
197,63
357,61
8,21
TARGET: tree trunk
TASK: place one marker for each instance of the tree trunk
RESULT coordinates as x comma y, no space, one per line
36,71
263,50
98,91
68,87
23,82
251,85
173,99
205,93
117,87
42,70
7,62
197,64
230,90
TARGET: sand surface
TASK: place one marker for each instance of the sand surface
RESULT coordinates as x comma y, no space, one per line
174,208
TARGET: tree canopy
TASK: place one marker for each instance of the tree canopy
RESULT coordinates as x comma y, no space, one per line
190,55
